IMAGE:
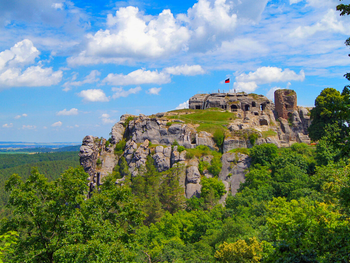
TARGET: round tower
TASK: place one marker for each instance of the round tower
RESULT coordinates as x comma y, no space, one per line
285,102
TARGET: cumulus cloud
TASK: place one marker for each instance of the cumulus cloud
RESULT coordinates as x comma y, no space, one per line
93,95
72,111
28,127
12,62
89,79
330,22
57,124
120,92
106,119
7,125
131,35
184,105
249,82
138,77
185,70
154,91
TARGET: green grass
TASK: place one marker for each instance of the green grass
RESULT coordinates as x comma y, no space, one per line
240,150
269,133
201,151
209,120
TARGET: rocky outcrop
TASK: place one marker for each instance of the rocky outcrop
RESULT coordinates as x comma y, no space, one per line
165,138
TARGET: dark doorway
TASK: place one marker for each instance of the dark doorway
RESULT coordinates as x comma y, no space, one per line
234,107
246,107
253,104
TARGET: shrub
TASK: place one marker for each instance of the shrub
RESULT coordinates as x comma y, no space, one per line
119,147
180,148
168,124
215,166
107,144
189,155
253,137
98,162
263,154
203,166
212,184
127,121
219,137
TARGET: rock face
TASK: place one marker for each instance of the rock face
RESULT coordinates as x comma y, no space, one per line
166,139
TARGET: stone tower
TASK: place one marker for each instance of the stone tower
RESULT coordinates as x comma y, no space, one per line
285,102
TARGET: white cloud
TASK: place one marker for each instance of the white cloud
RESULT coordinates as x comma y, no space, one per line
11,68
245,86
19,116
57,124
184,105
93,95
72,111
154,91
131,35
137,77
7,125
28,127
106,119
270,74
57,5
91,78
120,92
185,70
249,82
21,54
330,22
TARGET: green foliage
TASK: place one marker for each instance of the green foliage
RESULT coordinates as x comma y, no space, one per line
7,242
212,185
240,252
263,154
219,137
107,144
98,162
240,150
119,147
175,143
327,111
215,166
168,124
253,137
180,148
127,121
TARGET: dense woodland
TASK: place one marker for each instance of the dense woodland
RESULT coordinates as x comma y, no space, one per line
51,164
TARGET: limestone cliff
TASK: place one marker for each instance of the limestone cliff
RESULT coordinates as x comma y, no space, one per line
156,135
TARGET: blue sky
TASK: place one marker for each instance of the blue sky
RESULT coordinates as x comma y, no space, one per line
72,68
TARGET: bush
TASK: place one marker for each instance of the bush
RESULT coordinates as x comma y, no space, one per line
107,144
215,167
98,162
253,137
189,155
219,137
168,124
212,184
263,154
180,148
127,121
119,147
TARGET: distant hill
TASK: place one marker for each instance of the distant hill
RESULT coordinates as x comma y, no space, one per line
28,147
